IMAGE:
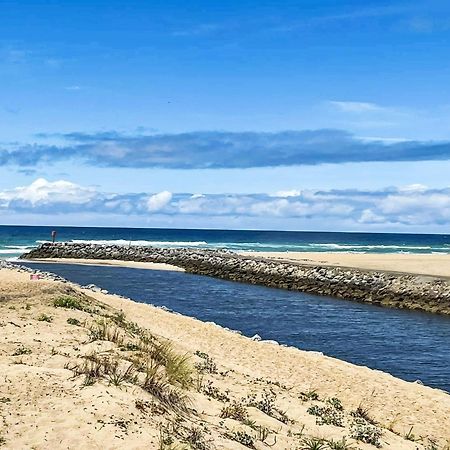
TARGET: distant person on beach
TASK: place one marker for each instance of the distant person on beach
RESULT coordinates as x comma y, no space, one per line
53,236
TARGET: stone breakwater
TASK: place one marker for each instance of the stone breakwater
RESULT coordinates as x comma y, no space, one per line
380,288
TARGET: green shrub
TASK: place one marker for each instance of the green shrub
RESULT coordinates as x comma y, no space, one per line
363,412
236,411
327,415
267,405
242,437
212,391
313,443
73,321
309,395
69,303
22,351
45,318
207,365
335,403
340,445
363,431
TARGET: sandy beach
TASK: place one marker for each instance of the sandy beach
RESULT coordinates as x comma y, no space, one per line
46,403
436,265
112,262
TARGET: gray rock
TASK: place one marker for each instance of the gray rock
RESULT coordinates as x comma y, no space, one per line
373,287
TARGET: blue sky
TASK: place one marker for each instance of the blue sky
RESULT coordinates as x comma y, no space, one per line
267,109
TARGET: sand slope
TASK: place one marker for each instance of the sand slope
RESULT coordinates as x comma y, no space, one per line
44,406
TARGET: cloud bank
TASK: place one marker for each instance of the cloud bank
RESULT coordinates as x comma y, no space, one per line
216,150
408,206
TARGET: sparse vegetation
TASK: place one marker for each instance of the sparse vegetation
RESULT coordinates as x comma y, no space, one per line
363,431
104,330
409,436
342,444
151,407
242,437
313,443
69,303
363,412
195,437
73,321
208,365
178,368
236,411
327,415
309,395
267,405
157,384
212,391
262,433
118,376
22,351
129,357
129,347
335,403
432,444
45,318
163,372
271,382
176,436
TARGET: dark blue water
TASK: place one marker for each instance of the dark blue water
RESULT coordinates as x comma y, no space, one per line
408,344
15,240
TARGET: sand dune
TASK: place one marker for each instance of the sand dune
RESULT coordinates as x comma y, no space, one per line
43,405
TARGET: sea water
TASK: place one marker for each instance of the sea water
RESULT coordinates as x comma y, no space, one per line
15,240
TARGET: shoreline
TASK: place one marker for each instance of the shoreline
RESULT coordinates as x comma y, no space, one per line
379,287
436,265
393,402
109,262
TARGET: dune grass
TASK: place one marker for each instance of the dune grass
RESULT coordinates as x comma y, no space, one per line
140,359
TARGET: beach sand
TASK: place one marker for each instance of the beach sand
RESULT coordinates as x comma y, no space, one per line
44,406
111,262
436,265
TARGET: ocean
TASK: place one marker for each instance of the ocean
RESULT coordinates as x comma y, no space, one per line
15,240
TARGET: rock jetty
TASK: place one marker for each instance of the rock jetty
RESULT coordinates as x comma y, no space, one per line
380,288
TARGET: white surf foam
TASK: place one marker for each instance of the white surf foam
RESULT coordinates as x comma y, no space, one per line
143,243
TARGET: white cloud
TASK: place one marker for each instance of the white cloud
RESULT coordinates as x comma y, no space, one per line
368,216
405,207
291,193
356,107
158,201
42,191
411,188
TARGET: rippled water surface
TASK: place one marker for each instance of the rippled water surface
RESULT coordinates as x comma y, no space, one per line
15,240
408,344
